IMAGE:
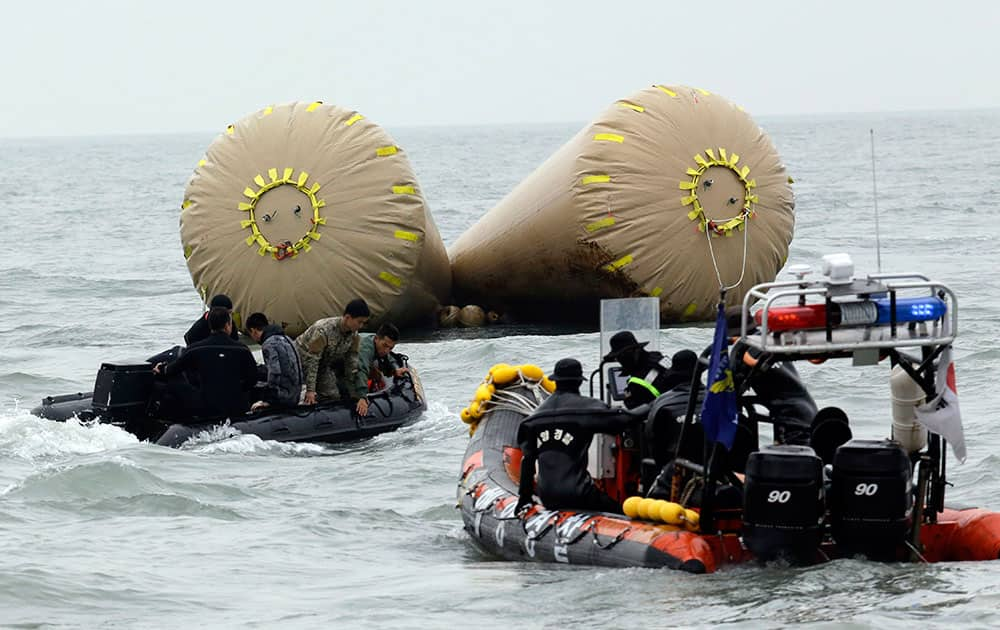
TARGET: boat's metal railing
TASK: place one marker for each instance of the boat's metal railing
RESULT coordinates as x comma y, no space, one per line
852,337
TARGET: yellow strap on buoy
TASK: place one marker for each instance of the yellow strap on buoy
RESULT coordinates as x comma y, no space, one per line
314,106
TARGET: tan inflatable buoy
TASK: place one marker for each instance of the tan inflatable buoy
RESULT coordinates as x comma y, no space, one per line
471,316
660,191
299,208
448,316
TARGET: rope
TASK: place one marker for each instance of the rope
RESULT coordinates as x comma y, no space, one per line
743,268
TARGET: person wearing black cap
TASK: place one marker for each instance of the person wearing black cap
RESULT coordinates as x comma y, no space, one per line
200,329
780,389
557,436
328,351
221,372
647,376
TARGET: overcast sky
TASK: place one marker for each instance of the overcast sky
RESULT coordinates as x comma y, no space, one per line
101,66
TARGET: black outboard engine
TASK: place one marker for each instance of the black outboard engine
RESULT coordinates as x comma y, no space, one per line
783,503
871,498
122,391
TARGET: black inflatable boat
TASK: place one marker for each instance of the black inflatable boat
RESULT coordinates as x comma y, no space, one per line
122,392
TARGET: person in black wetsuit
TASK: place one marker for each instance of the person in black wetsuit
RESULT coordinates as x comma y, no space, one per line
648,378
200,329
557,435
224,370
778,388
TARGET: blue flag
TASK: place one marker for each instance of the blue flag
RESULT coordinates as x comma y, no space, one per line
719,414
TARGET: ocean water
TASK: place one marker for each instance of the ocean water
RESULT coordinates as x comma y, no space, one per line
99,530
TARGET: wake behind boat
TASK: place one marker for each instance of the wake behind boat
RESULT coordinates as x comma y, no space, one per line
882,499
122,395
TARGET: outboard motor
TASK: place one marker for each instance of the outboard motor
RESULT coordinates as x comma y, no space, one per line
122,391
783,503
871,498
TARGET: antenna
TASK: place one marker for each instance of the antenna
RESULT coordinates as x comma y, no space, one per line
878,244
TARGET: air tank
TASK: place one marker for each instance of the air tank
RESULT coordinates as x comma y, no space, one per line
299,208
666,193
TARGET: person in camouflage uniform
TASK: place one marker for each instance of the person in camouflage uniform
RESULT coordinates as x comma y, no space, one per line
328,351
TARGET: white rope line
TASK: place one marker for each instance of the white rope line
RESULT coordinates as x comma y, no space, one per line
743,268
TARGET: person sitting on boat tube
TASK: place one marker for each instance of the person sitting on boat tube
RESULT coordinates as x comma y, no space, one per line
376,359
200,329
648,378
224,370
283,371
328,351
557,435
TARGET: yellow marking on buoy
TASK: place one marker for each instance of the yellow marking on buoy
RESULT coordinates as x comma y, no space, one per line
744,172
246,223
258,179
666,91
202,162
632,106
687,185
403,190
624,261
693,214
250,239
704,92
303,177
353,119
314,189
687,201
391,279
185,204
595,179
733,159
700,160
273,174
609,137
262,250
752,183
287,174
250,192
384,151
230,129
722,155
692,171
690,309
244,206
710,153
268,110
314,235
656,292
601,223
404,235
187,251
314,106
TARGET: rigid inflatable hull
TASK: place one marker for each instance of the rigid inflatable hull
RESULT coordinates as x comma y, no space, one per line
402,404
487,496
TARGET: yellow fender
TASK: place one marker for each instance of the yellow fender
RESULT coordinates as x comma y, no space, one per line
548,385
672,513
691,520
631,506
475,410
504,375
483,393
466,416
532,372
645,507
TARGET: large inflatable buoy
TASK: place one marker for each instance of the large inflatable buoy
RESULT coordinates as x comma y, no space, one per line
300,208
668,192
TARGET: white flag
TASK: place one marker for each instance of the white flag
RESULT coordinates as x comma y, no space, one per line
941,415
